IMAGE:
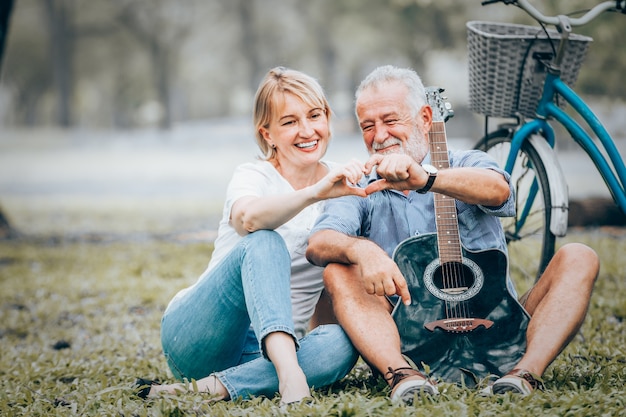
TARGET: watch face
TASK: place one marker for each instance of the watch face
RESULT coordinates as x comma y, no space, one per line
429,168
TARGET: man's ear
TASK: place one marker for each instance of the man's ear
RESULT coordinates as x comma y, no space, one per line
426,114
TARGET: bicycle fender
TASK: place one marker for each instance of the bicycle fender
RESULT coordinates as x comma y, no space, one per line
558,185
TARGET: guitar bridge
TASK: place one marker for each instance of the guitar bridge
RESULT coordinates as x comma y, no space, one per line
455,291
460,325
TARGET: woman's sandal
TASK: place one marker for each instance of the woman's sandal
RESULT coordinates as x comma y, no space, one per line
518,381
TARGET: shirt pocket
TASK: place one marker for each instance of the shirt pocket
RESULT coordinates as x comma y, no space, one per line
467,217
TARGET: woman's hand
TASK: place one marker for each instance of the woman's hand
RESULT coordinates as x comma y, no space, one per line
341,181
249,214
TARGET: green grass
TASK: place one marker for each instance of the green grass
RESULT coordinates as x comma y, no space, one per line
79,321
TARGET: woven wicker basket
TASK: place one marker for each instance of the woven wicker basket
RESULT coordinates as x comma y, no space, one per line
504,78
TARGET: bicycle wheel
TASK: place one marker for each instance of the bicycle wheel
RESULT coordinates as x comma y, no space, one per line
530,242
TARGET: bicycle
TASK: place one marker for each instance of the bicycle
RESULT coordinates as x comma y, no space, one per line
525,73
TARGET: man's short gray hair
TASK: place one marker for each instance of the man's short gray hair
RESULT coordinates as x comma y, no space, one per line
416,97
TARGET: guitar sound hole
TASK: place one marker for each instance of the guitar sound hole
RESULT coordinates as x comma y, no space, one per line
453,278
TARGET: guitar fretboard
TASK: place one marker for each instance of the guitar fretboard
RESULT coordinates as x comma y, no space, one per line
448,238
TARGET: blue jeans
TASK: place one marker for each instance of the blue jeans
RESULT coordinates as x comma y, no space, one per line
209,328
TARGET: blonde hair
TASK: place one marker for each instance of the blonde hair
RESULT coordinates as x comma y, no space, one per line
283,80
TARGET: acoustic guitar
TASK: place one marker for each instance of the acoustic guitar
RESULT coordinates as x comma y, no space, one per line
463,324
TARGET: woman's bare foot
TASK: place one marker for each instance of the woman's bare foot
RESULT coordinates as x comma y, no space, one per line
292,384
210,385
293,387
155,390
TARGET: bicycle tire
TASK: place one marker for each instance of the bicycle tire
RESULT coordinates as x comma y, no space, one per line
530,246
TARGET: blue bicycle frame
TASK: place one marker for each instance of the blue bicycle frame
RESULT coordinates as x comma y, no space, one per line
547,108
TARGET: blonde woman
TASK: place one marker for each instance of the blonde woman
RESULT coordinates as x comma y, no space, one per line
240,329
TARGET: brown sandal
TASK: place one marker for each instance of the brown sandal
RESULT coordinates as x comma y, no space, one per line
407,382
519,381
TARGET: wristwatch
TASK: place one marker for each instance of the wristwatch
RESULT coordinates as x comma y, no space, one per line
432,172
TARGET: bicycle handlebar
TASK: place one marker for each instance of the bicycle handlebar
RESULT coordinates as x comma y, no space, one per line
556,20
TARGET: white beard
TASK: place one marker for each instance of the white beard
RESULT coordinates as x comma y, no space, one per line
416,146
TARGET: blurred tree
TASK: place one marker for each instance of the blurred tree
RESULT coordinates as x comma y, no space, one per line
44,64
62,45
248,40
602,73
424,27
318,21
160,27
5,13
157,60
25,70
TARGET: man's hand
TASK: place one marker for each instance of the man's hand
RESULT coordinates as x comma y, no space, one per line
377,272
398,172
381,275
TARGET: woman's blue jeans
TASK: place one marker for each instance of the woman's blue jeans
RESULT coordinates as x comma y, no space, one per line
209,328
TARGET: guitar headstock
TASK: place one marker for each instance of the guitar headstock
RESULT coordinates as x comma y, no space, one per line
442,109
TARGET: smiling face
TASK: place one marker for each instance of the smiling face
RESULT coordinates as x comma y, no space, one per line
387,123
298,131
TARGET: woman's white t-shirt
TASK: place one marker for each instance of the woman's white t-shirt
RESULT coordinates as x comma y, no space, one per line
261,178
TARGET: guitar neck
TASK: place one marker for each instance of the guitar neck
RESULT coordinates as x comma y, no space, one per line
448,237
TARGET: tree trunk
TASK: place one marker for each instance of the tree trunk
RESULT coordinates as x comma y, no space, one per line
245,11
162,52
6,231
161,73
6,7
60,26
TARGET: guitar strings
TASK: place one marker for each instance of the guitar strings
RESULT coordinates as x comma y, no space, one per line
453,277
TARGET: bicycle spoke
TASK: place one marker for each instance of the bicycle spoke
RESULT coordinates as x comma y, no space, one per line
529,240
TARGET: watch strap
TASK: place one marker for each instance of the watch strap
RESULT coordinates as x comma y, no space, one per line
429,184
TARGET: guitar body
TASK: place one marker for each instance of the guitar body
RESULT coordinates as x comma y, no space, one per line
493,346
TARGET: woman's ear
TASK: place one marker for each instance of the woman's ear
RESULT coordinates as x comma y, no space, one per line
266,135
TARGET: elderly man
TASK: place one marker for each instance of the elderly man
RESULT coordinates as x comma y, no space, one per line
355,237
